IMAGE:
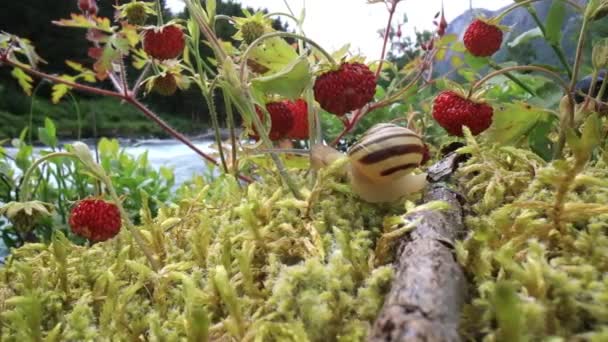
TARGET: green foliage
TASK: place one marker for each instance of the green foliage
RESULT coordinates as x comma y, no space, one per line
64,181
98,117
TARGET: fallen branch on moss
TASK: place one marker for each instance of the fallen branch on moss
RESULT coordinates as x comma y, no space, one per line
429,288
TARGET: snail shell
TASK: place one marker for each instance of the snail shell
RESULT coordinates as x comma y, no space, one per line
387,152
380,163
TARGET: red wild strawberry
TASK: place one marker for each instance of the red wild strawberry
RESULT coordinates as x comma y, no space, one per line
281,119
299,111
482,39
95,219
166,42
452,112
350,87
88,7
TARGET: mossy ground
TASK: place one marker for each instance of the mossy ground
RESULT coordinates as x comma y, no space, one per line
538,261
238,264
256,264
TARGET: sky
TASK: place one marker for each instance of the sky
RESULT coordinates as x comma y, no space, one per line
333,23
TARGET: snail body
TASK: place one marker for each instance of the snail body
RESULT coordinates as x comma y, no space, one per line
380,163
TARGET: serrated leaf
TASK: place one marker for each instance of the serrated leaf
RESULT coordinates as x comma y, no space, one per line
554,22
274,53
25,81
130,34
59,91
513,121
104,63
289,83
81,21
526,37
76,66
26,48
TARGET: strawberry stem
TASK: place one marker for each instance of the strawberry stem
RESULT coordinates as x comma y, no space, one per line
513,7
25,180
159,15
512,77
556,47
391,12
231,127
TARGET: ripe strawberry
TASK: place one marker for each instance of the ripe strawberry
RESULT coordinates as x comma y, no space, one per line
299,111
88,7
350,87
281,119
95,219
166,42
482,39
165,85
452,111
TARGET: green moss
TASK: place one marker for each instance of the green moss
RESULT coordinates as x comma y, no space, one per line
251,264
539,262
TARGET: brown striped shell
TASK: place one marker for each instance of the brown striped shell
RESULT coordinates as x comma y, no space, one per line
386,152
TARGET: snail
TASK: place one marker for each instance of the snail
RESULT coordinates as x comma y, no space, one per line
380,163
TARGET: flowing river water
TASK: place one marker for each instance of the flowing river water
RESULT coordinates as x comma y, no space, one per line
170,153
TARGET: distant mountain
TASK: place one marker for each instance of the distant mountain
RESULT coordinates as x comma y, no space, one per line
520,21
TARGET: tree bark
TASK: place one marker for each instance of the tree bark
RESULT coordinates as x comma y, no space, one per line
429,288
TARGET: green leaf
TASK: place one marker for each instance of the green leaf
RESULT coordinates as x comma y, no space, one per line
538,139
25,81
22,159
104,64
574,142
167,173
211,11
274,53
81,21
108,147
459,47
290,82
592,133
512,121
554,22
475,62
59,91
526,37
51,131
